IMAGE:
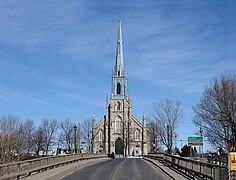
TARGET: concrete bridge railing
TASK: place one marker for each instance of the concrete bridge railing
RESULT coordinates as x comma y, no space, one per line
26,168
193,168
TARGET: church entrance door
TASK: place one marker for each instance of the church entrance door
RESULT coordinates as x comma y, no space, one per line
119,149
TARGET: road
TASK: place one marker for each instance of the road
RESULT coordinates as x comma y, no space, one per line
118,169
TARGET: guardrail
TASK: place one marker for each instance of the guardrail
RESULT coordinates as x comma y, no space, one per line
26,168
193,168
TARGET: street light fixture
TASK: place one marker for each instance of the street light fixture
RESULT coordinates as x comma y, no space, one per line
75,129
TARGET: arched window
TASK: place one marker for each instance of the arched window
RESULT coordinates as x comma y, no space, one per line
100,135
118,125
118,89
137,135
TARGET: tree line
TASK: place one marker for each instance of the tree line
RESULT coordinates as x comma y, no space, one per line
22,137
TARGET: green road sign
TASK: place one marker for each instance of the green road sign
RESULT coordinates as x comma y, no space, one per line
195,141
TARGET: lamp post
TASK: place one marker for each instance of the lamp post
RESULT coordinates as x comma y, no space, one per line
201,132
75,129
168,138
58,146
156,138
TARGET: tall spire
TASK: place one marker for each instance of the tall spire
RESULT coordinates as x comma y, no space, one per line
119,51
119,78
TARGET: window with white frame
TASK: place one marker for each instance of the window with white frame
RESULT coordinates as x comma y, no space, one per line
100,135
137,135
118,125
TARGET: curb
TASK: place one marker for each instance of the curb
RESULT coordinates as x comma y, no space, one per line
159,167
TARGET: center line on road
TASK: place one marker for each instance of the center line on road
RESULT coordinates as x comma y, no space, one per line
116,169
114,173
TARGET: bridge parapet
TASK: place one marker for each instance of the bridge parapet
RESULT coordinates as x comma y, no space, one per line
192,168
26,168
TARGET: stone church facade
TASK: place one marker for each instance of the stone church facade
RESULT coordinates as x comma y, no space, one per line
120,131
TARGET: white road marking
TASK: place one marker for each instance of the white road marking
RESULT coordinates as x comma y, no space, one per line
66,175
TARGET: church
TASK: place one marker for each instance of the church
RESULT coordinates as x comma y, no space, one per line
119,131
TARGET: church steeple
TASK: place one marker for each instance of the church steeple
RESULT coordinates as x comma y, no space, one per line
119,50
119,78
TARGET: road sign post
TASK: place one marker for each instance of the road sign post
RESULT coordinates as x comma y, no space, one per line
195,141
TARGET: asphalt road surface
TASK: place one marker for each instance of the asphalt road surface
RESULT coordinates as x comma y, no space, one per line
118,169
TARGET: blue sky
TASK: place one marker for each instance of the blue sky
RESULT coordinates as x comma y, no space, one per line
56,56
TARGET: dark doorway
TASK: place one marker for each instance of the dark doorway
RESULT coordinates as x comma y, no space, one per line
119,147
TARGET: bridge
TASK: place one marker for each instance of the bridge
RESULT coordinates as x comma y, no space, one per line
99,166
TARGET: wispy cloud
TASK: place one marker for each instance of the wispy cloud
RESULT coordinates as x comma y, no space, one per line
183,50
13,96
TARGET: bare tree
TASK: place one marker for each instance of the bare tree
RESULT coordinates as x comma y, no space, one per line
152,127
86,133
39,140
29,129
9,124
216,112
14,136
167,115
130,137
18,137
20,140
66,135
49,128
8,128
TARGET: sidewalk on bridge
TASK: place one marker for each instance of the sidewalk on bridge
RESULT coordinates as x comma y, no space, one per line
60,172
166,169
